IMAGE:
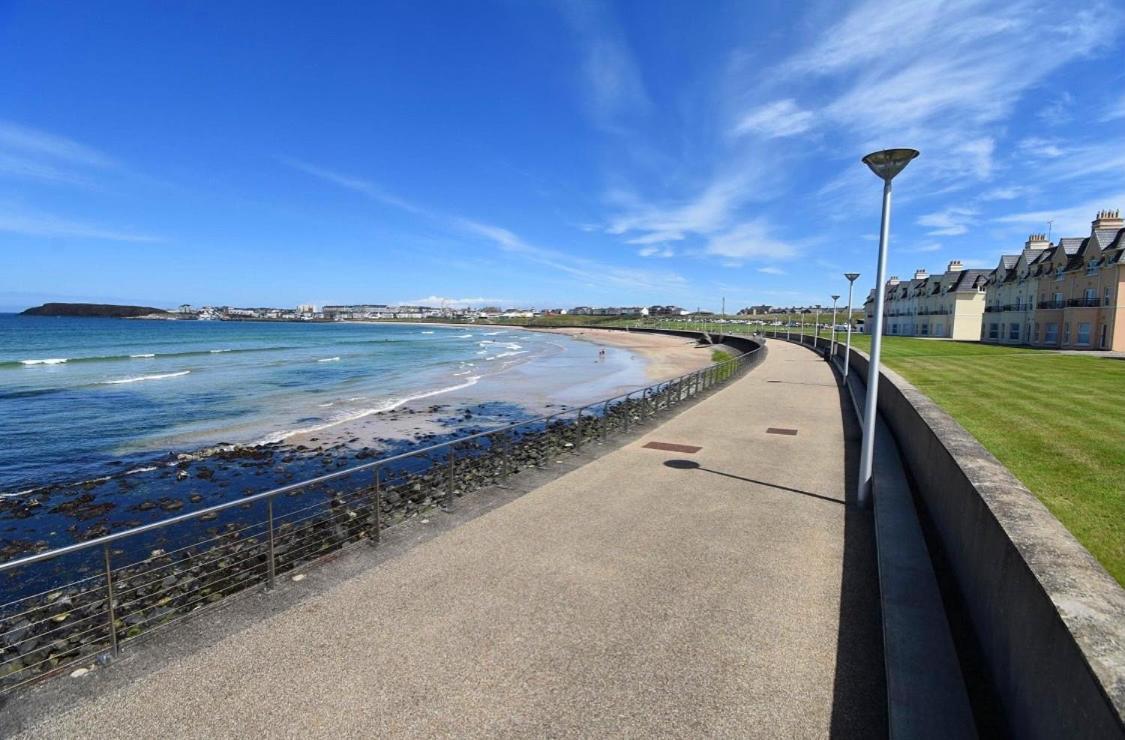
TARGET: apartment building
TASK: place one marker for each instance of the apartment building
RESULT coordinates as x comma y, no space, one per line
948,305
1079,283
1010,295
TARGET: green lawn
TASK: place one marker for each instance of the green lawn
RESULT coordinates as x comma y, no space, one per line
1056,421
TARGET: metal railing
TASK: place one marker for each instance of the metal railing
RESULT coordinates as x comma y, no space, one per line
124,593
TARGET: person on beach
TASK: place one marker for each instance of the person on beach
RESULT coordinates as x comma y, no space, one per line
601,354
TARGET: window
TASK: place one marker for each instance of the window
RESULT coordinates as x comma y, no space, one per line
1051,334
1066,333
1103,336
1014,331
1036,331
1090,297
1092,267
894,328
993,331
1058,274
938,330
1058,300
1108,296
1084,333
925,329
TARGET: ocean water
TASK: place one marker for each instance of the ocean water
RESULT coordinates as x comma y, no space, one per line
79,397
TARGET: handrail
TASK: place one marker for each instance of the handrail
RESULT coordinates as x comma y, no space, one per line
105,540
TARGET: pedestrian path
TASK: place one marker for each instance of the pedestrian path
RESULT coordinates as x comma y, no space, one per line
726,591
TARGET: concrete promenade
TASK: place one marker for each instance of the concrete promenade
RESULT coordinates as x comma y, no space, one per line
731,596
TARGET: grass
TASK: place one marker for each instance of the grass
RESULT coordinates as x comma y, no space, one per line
1056,421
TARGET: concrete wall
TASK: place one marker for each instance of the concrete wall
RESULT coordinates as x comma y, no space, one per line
1050,620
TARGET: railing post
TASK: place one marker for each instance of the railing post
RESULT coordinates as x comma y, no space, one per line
109,601
452,475
271,562
578,430
378,507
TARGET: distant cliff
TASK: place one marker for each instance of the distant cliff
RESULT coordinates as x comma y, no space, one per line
102,310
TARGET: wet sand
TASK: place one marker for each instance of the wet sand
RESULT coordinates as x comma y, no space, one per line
666,356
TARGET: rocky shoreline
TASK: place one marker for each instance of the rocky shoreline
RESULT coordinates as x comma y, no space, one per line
54,629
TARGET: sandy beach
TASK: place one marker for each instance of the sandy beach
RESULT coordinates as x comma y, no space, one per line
667,356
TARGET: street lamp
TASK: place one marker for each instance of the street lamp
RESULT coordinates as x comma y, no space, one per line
816,328
851,276
885,164
832,343
788,322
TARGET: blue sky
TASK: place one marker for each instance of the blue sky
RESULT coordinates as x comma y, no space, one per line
539,153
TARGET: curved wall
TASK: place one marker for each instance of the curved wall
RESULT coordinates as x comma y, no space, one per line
1050,620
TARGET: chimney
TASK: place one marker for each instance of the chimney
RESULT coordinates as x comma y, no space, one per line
1108,220
954,266
1036,241
921,274
893,281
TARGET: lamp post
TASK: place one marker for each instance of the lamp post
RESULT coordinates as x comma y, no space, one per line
885,164
816,328
832,342
851,276
788,322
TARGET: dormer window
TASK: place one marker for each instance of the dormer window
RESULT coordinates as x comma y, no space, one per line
1058,273
1092,267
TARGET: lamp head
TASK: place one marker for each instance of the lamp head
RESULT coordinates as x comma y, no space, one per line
835,298
889,162
851,276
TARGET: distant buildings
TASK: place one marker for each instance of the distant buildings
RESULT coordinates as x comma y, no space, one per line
1065,295
947,305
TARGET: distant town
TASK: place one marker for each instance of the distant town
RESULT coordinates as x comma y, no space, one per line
386,312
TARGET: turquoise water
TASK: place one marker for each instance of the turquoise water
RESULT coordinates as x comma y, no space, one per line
79,395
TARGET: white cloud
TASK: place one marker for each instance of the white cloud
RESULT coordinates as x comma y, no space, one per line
651,223
437,300
749,240
775,120
1010,192
952,221
45,225
771,270
927,247
654,251
940,75
1114,110
613,83
1068,221
34,154
591,271
1036,146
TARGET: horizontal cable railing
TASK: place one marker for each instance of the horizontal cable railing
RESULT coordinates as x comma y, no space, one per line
139,579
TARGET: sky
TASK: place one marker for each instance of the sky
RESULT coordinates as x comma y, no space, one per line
540,153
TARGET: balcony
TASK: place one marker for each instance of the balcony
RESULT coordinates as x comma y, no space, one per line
1086,302
1052,304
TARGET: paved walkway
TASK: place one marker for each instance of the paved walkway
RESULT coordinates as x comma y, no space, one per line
628,597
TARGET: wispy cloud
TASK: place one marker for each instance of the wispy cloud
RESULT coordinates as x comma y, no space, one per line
1039,147
587,270
750,240
46,225
1114,111
614,88
34,154
938,75
355,184
437,300
1068,220
775,120
771,270
952,221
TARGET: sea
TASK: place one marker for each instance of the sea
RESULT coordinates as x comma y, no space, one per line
83,398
